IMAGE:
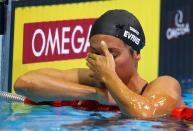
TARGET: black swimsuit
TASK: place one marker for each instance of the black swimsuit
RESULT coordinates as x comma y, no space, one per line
143,89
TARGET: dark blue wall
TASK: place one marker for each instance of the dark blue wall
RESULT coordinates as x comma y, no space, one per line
176,39
1,18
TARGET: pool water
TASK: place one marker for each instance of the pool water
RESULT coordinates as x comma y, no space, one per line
17,117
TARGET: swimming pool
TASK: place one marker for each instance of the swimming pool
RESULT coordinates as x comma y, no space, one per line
19,117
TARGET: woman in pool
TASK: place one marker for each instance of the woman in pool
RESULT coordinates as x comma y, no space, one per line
112,79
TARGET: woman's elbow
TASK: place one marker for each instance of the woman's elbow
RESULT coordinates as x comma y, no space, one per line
22,84
146,112
19,85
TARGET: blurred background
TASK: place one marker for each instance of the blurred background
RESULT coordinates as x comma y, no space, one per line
54,33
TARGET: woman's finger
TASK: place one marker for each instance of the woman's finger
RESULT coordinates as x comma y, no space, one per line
91,67
104,48
91,61
92,56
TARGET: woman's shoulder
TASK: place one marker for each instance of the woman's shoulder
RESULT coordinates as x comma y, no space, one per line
164,85
166,81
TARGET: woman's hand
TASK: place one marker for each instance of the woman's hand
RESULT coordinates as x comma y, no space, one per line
101,65
103,95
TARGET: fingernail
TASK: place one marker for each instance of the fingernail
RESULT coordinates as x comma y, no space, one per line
102,43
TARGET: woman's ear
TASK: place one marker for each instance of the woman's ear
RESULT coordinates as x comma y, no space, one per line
137,56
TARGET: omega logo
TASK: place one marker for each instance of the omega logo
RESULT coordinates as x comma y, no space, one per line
180,29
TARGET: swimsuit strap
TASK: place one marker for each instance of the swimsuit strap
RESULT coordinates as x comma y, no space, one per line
143,89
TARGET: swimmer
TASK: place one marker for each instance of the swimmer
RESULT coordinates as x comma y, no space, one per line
116,39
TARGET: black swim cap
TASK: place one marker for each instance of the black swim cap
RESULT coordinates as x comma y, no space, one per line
123,25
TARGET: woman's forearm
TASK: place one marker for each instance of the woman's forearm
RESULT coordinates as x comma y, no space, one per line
40,87
129,102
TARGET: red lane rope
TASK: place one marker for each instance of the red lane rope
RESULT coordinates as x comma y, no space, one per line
87,105
179,114
183,113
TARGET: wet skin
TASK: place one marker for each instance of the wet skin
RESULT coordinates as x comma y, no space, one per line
111,61
111,79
